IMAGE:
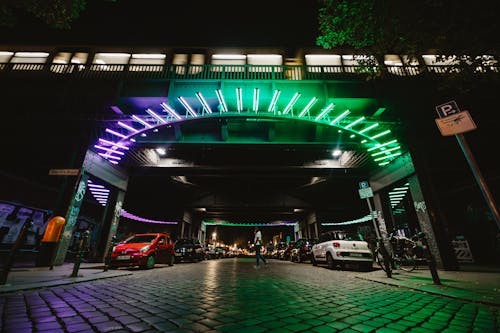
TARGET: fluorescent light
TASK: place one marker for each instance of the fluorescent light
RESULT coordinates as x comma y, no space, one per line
291,103
222,102
380,134
109,149
187,106
256,93
382,145
116,133
170,110
111,143
386,150
239,99
355,122
387,156
340,117
141,121
157,117
105,155
325,111
368,128
308,106
203,102
274,100
127,127
161,151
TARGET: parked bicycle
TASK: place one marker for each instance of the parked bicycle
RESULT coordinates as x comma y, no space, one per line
405,253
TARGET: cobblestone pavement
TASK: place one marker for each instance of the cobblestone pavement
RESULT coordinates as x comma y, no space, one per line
229,295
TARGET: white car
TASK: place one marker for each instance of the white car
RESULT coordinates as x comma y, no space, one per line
342,248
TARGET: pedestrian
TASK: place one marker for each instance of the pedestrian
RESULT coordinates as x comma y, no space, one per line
258,244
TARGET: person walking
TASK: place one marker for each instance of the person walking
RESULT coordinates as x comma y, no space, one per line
258,244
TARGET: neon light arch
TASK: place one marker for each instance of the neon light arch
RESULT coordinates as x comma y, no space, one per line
127,130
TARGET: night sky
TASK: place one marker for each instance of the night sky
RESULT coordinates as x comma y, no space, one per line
285,23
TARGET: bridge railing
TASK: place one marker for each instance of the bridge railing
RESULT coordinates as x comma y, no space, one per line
225,72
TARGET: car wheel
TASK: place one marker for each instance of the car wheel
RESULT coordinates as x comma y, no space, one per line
313,261
329,261
150,263
171,260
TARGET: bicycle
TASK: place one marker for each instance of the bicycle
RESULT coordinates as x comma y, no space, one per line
404,255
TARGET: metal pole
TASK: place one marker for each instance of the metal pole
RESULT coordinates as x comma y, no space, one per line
479,178
79,255
381,244
373,219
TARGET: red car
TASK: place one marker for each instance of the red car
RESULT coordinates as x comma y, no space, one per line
143,250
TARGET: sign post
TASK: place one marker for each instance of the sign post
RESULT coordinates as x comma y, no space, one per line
455,122
365,192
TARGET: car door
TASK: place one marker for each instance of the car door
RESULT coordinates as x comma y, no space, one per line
162,249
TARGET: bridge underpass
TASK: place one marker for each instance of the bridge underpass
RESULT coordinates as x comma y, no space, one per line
263,153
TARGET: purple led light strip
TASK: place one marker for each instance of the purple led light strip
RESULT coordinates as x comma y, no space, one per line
128,215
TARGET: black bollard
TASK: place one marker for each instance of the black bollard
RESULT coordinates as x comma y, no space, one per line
10,259
79,254
107,259
387,257
430,259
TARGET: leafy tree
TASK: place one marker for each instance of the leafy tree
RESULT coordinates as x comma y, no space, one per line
381,27
58,14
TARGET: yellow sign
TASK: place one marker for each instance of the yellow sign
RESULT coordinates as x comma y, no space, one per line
64,172
456,123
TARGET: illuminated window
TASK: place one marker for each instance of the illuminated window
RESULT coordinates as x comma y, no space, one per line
30,61
358,63
147,62
180,60
442,64
265,62
401,65
110,61
327,63
229,62
197,63
4,58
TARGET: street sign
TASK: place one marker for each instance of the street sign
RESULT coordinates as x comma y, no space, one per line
365,193
447,109
364,184
456,123
64,172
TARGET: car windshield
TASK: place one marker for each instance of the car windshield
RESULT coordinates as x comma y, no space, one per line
140,239
183,242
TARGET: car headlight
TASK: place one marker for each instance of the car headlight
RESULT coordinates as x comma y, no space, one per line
145,248
114,248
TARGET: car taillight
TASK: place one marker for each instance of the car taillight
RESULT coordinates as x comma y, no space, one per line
368,245
336,244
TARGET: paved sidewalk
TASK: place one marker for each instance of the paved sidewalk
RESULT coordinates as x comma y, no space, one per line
480,287
26,278
473,286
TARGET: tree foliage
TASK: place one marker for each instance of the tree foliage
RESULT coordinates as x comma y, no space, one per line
58,14
395,26
378,27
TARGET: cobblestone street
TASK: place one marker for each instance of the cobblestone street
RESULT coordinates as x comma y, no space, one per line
229,295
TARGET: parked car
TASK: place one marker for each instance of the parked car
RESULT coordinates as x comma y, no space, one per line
278,250
285,255
188,250
301,250
143,250
342,248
